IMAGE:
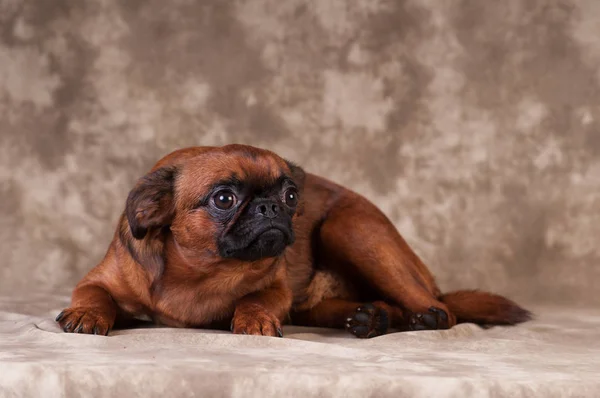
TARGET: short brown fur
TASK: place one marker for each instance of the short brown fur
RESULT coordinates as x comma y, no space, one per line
347,268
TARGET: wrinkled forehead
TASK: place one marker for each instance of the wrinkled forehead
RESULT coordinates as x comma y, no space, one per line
202,173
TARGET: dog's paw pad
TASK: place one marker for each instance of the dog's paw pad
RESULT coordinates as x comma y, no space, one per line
367,321
434,319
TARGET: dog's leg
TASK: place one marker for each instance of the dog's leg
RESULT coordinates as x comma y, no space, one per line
364,320
261,313
92,311
358,236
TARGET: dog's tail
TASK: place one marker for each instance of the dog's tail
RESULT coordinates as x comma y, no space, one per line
484,308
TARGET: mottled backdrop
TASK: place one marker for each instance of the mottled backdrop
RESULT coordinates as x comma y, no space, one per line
473,124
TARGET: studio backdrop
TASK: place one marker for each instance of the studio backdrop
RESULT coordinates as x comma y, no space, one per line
474,125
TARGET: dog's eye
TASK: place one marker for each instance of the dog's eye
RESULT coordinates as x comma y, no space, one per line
224,199
291,197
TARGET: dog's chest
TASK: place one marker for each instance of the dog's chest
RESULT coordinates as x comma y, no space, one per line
203,302
188,307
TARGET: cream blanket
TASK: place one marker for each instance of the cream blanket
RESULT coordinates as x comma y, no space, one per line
558,354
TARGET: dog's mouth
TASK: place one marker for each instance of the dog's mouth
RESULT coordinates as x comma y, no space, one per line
268,241
271,229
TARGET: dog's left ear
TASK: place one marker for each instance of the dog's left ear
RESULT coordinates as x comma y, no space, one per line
151,204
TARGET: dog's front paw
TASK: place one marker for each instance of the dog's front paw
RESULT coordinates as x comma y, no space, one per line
84,320
368,321
435,319
255,320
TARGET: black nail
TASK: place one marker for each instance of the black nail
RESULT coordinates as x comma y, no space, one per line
59,316
279,332
107,331
68,326
231,326
244,332
79,328
95,329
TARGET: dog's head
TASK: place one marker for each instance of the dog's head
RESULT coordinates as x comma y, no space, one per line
231,202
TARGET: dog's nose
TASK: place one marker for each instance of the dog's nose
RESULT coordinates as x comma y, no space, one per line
269,210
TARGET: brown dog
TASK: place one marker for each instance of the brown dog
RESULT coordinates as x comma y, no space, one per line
238,236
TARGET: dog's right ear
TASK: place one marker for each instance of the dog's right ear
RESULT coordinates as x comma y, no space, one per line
151,203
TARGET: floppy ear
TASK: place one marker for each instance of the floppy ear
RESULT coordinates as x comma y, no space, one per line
151,203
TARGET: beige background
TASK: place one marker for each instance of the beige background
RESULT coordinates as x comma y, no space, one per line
473,124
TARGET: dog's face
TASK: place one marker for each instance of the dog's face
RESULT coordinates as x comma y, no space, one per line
234,202
256,215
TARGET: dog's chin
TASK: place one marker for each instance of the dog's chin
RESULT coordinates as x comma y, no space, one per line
267,244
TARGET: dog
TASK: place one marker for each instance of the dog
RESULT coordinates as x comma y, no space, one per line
238,237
